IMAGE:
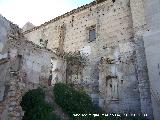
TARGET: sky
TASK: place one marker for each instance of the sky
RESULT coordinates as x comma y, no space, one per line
36,11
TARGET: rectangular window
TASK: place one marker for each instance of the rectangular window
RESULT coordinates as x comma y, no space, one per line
92,33
2,91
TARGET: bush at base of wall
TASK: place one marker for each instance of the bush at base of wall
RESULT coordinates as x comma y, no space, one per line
70,100
35,107
76,102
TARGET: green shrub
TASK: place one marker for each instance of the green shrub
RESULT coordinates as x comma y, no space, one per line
34,105
76,102
72,101
52,116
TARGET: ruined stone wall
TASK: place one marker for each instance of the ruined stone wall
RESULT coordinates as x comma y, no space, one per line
116,73
19,77
13,89
36,61
23,66
114,40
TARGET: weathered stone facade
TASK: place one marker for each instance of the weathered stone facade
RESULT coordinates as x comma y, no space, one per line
23,66
120,86
116,74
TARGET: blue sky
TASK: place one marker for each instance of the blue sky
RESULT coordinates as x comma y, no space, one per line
36,11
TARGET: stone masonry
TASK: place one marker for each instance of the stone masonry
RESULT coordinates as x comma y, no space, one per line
22,67
116,75
115,37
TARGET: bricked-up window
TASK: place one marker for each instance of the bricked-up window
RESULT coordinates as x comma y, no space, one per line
92,33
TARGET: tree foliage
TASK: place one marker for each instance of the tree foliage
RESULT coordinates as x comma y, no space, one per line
35,107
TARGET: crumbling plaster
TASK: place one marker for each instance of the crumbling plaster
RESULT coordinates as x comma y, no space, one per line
116,74
23,66
115,29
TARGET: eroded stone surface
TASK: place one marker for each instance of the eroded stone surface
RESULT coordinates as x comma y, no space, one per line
116,74
116,82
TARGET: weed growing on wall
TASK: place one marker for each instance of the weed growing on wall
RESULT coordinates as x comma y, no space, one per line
75,63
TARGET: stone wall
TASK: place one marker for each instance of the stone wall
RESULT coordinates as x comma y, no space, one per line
115,29
14,87
23,66
116,74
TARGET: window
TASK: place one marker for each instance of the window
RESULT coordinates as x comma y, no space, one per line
112,88
92,33
41,40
